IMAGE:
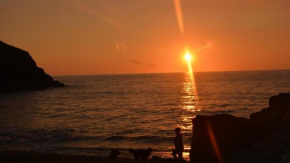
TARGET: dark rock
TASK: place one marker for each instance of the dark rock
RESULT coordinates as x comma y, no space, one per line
280,101
18,71
216,138
223,132
277,114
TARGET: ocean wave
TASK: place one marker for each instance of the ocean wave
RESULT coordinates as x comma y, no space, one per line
70,135
43,136
103,149
140,138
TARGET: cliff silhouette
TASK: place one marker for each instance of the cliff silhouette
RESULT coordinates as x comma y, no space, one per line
262,138
18,71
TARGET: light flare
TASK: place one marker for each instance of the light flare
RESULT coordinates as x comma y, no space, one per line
179,16
189,58
206,46
214,143
121,46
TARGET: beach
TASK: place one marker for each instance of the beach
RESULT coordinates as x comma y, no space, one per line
25,156
21,153
36,157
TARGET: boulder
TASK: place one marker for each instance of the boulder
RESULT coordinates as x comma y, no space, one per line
217,138
271,118
18,71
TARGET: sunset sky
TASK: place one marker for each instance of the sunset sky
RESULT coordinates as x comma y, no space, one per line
71,37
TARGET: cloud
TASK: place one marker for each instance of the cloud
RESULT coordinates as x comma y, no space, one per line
142,63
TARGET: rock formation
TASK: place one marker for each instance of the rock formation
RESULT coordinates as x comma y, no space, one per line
224,138
18,71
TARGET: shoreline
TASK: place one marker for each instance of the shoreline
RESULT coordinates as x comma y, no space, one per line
102,152
31,156
21,153
24,149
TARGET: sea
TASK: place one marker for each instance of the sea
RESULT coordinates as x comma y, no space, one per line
96,113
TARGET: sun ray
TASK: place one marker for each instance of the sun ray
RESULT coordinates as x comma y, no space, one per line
179,15
214,143
189,58
206,46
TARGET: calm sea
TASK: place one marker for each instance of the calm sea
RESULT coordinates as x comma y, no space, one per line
137,111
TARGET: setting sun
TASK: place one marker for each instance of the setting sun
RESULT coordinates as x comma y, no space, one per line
188,57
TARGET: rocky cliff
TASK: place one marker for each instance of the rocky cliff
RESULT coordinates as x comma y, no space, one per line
18,71
264,138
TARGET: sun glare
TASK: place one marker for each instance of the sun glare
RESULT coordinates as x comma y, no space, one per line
188,57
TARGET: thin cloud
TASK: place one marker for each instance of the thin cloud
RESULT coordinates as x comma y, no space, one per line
142,63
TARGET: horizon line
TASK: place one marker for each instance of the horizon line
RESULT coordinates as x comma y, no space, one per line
172,72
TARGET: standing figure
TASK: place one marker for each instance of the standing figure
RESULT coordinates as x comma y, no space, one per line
178,143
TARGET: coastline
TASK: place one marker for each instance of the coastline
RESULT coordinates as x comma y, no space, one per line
23,156
21,153
30,156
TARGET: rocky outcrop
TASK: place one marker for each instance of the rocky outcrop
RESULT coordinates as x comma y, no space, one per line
18,71
224,138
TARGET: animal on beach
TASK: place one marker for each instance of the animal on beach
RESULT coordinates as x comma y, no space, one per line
142,154
113,154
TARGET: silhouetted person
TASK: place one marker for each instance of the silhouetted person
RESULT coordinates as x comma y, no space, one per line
178,144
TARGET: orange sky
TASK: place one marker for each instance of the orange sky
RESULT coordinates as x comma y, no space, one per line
70,37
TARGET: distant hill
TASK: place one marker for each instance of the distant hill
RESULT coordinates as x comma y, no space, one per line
18,71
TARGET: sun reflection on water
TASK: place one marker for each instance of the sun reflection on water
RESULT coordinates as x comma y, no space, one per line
189,97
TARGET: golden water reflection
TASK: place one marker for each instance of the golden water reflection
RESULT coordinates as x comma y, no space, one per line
189,98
